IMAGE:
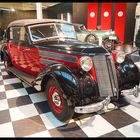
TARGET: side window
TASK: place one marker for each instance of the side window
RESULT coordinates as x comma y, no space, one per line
17,33
14,33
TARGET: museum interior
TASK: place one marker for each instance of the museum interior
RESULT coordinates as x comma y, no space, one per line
70,69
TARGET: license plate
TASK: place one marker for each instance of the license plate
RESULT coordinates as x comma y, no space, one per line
112,37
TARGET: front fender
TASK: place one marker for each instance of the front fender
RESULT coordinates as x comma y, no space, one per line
67,80
128,73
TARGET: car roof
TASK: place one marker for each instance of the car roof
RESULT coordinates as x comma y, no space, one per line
25,22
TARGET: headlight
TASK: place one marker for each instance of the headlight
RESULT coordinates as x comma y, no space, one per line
120,57
91,39
86,63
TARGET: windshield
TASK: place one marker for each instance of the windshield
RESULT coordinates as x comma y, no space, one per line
51,30
66,30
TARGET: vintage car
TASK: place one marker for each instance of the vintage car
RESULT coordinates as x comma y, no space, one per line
76,76
105,37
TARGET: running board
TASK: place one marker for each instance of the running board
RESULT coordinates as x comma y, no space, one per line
27,78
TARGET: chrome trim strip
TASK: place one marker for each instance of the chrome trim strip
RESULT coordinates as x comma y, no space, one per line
58,56
47,62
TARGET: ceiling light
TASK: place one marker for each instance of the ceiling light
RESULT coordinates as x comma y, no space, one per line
12,9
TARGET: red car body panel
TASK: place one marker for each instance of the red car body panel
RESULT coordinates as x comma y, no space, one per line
28,59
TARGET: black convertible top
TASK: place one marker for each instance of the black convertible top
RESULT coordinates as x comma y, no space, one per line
24,22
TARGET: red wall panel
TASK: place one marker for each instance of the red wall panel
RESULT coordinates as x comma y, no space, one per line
120,20
106,11
92,15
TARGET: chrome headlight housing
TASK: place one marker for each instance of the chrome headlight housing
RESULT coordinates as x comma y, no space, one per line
120,57
86,63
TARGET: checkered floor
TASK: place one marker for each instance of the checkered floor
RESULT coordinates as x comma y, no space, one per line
24,112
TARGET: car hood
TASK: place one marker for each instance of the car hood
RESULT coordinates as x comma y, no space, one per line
71,47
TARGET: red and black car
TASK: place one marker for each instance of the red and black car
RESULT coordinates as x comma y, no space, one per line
76,76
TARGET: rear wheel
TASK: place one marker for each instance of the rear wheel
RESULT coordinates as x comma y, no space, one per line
57,102
7,63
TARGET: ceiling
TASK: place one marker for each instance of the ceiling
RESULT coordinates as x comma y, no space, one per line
25,6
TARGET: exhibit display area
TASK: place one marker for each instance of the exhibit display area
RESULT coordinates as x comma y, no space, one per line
54,84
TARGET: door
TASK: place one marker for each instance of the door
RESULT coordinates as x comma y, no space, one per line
13,36
25,56
29,56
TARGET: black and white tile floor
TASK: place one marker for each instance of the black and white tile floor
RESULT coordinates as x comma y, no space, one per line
24,112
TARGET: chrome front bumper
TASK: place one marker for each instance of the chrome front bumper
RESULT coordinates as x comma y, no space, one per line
127,96
93,107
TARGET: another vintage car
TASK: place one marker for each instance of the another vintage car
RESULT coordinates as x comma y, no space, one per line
76,76
105,37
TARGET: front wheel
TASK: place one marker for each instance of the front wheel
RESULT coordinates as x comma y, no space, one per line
57,102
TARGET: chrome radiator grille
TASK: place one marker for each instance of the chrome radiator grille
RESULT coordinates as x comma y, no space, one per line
106,75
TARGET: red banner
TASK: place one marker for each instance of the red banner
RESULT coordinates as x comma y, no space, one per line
92,15
106,11
120,20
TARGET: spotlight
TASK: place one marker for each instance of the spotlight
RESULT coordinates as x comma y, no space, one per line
12,9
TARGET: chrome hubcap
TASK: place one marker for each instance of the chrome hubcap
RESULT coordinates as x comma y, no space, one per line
56,99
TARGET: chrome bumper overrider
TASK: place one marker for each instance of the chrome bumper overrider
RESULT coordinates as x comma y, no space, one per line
134,91
131,100
93,107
